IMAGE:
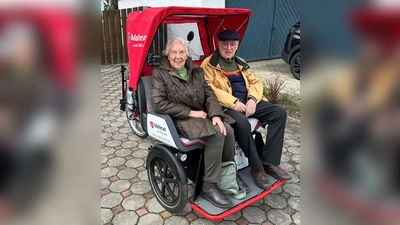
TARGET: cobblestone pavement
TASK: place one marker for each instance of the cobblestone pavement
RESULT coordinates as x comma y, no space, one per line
126,196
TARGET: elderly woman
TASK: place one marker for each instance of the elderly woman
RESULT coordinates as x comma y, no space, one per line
179,90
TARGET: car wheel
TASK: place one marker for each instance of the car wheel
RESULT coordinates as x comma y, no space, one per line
295,66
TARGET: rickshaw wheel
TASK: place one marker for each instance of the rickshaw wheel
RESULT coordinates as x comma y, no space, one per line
135,124
167,178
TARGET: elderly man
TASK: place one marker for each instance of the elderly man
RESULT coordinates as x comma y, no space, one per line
241,94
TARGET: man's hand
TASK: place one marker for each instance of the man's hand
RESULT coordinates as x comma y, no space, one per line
240,107
198,114
250,107
216,120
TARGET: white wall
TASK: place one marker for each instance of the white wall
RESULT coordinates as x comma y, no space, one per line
122,4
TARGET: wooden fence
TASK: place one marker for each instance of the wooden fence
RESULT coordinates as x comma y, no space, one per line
113,46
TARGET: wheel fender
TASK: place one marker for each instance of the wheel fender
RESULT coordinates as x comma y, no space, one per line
169,153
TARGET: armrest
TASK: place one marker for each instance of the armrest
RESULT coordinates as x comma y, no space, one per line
162,128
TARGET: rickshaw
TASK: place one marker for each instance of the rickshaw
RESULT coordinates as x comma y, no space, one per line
175,159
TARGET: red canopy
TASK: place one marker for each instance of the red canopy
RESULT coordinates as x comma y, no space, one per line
142,27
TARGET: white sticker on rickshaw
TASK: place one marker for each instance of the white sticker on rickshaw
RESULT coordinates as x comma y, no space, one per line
240,159
157,128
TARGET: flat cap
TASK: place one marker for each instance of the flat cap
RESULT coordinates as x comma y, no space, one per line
229,35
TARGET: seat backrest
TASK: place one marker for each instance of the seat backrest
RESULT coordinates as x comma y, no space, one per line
147,89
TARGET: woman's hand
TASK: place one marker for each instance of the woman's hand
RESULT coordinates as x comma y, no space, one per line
216,120
198,114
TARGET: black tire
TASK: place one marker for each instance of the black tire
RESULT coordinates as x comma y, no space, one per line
295,65
133,122
167,178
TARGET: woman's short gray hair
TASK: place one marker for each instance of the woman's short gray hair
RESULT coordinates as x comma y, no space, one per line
167,46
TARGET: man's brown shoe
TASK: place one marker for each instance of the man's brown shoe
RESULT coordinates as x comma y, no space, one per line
277,172
261,179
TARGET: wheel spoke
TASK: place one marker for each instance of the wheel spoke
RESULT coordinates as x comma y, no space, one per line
157,178
159,168
171,193
172,181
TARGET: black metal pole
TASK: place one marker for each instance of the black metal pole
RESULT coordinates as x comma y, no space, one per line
122,101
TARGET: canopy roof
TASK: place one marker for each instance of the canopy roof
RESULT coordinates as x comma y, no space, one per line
142,27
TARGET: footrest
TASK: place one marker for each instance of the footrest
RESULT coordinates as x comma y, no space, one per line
211,212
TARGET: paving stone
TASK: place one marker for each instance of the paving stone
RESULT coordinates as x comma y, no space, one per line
296,158
111,200
127,173
258,203
104,183
133,163
103,159
125,218
140,187
140,153
117,124
294,202
284,158
123,152
289,136
129,144
105,135
127,130
144,145
153,206
227,223
150,219
133,202
143,175
106,215
106,151
298,167
287,167
278,217
113,143
276,191
176,220
296,218
275,201
109,118
109,172
120,185
294,150
202,221
111,129
119,136
254,214
295,178
234,216
292,189
133,137
117,161
292,143
121,119
116,114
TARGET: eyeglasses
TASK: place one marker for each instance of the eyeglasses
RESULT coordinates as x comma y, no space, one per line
227,44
